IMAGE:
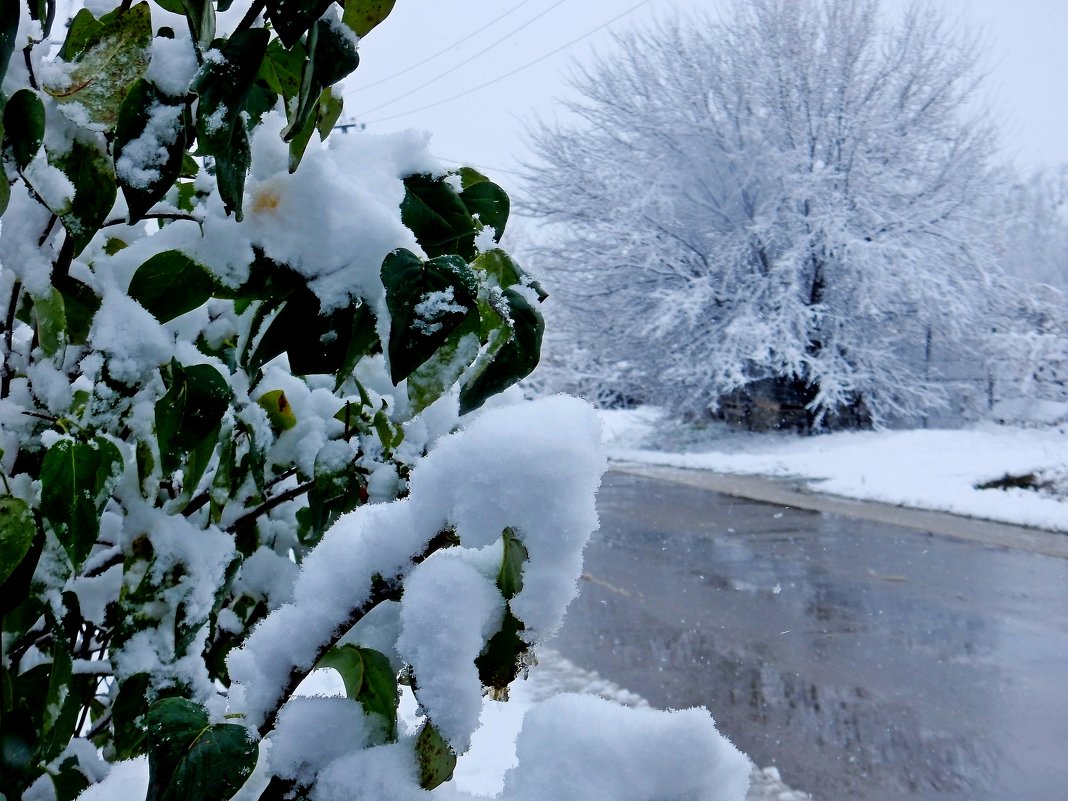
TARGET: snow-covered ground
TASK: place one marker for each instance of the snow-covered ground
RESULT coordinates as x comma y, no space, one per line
925,469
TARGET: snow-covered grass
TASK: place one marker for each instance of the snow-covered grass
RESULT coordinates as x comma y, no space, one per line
925,469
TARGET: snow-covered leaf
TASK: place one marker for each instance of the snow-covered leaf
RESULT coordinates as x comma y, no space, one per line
427,301
149,146
513,361
112,57
91,173
224,85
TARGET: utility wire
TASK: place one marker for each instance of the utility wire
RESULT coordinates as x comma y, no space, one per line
443,50
465,62
507,75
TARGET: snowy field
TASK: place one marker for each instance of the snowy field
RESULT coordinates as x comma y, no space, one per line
939,470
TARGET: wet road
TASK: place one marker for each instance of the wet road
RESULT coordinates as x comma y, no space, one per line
866,661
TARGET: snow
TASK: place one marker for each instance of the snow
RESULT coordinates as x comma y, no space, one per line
924,468
142,157
442,633
132,339
566,753
533,467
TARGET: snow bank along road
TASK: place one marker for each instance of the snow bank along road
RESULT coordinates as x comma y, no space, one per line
790,493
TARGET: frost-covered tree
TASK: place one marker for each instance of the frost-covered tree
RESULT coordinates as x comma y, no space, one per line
791,192
242,436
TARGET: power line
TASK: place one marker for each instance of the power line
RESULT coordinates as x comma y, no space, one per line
467,61
443,50
507,75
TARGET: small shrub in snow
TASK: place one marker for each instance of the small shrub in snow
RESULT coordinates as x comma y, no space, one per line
237,361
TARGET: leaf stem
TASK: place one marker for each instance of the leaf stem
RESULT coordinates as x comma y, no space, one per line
9,327
251,15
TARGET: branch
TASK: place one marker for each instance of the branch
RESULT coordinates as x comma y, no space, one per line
380,591
271,503
159,215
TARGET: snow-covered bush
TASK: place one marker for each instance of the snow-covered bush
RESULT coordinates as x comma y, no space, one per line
241,369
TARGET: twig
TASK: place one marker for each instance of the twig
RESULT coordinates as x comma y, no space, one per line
47,231
159,215
271,503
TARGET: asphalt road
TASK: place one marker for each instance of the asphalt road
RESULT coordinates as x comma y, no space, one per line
869,662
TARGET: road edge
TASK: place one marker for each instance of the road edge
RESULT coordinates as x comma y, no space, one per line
766,489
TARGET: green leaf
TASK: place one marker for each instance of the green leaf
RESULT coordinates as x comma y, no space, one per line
51,321
17,532
332,55
485,199
127,713
149,147
515,359
279,412
368,679
330,108
62,702
191,411
281,68
113,57
9,29
427,301
80,305
24,126
190,758
91,173
170,284
328,344
224,86
364,15
201,16
292,18
510,577
14,590
76,481
436,759
437,215
5,188
82,28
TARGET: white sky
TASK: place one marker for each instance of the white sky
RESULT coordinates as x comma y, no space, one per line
1027,62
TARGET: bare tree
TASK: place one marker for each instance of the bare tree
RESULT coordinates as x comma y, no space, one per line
791,193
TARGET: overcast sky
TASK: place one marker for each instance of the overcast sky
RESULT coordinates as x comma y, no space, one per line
474,72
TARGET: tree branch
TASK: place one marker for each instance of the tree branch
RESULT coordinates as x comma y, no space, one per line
271,503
